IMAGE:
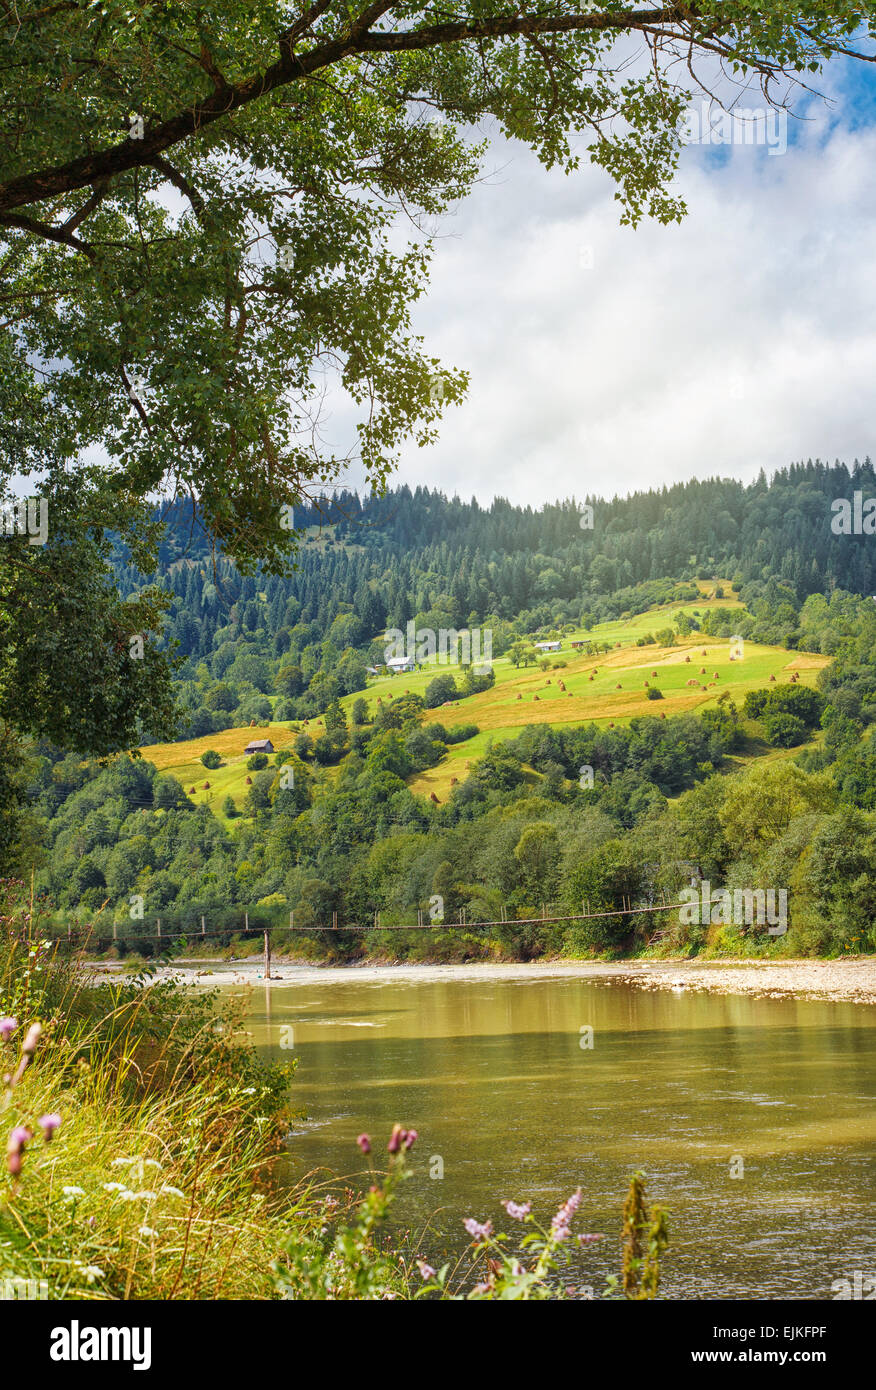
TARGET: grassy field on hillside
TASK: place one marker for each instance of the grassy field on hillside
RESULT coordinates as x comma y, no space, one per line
610,689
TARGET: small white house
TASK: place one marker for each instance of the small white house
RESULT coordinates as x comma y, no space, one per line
548,646
401,663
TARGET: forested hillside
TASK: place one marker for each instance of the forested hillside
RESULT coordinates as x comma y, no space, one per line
777,787
445,563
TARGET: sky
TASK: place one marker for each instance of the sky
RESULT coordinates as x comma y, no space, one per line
605,360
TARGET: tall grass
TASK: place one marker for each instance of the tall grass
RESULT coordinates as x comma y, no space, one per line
156,1183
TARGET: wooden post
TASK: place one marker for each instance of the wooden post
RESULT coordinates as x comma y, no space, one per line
203,928
334,921
267,954
159,928
115,932
246,921
292,919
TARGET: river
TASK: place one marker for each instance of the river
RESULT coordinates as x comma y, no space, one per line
752,1118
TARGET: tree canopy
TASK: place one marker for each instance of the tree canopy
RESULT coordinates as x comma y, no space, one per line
198,213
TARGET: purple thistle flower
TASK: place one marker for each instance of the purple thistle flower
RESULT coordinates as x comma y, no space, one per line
18,1137
7,1028
517,1210
396,1139
364,1143
48,1124
410,1138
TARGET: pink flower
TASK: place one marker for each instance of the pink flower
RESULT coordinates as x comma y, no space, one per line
588,1239
364,1143
7,1028
410,1138
396,1139
479,1230
517,1210
562,1220
48,1124
426,1271
18,1137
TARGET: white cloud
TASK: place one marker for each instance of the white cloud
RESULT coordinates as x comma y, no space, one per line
744,338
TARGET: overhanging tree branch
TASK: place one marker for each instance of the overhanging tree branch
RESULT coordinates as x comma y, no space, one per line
291,66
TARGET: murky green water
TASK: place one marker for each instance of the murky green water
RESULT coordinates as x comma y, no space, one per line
491,1071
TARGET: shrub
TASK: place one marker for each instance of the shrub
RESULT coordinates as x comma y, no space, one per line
256,761
440,690
460,732
211,758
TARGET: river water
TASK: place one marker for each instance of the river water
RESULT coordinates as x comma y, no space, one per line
514,1097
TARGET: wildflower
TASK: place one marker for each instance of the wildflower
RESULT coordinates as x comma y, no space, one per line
73,1191
48,1124
114,1187
152,1163
426,1271
364,1143
517,1210
589,1238
396,1139
562,1220
7,1028
146,1231
410,1138
28,1048
92,1272
18,1137
172,1191
122,1162
479,1230
330,1203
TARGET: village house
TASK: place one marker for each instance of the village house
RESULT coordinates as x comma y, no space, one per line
259,745
401,663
